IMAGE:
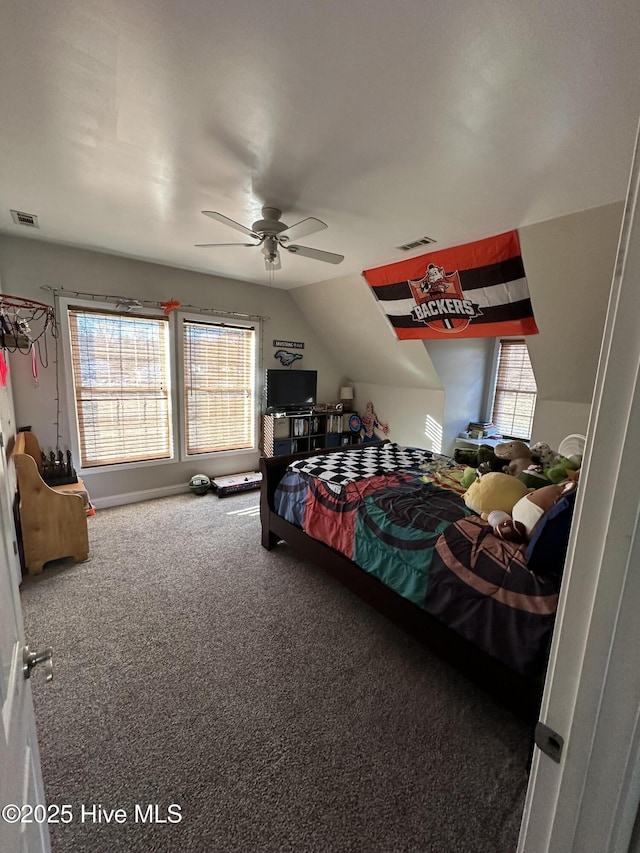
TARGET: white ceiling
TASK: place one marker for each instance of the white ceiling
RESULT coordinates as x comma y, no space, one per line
121,120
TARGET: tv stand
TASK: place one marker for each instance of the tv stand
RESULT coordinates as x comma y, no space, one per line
284,433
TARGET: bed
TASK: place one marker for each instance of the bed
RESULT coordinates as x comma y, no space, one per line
390,523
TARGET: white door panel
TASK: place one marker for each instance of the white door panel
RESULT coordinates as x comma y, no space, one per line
20,776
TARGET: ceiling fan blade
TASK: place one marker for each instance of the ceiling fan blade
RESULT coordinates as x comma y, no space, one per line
316,254
303,228
220,217
206,245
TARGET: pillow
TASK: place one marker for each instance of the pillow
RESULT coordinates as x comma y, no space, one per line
548,544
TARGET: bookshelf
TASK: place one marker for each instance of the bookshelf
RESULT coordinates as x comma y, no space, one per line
284,433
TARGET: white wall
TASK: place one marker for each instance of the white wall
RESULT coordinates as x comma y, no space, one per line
414,415
556,419
569,264
27,264
463,367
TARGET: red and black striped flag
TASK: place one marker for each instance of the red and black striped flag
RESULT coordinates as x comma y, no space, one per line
478,290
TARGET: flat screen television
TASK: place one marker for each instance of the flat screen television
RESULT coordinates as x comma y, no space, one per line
289,390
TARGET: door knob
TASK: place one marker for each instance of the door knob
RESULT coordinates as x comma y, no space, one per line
30,660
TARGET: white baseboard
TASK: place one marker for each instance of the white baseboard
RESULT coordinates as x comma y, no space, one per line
136,497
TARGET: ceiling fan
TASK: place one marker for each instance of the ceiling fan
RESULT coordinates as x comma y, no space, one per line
272,234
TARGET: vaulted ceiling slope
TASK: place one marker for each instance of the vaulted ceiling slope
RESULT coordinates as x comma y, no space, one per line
121,122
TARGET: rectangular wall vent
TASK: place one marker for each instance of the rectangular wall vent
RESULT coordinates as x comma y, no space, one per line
28,219
423,241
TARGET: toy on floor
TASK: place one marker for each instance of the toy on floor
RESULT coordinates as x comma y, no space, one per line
199,484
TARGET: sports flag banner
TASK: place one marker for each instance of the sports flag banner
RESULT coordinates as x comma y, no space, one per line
478,290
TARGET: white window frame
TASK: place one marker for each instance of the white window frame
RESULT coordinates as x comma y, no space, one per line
94,305
492,381
213,319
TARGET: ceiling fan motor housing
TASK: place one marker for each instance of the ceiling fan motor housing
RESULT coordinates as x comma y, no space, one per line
270,224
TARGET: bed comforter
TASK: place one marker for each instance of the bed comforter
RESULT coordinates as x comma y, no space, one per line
399,515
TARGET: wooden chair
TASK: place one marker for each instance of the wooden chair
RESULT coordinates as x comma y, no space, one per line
53,521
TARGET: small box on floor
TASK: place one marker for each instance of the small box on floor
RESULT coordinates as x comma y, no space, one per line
236,483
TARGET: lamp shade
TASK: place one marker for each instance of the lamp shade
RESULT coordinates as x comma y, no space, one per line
346,393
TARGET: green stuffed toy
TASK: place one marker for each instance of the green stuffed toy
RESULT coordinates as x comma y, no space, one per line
484,455
469,476
466,456
558,472
534,479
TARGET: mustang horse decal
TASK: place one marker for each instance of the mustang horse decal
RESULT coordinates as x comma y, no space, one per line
285,357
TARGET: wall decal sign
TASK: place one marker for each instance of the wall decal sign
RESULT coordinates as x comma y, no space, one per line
291,344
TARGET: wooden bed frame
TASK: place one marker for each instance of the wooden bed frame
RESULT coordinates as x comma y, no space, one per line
522,695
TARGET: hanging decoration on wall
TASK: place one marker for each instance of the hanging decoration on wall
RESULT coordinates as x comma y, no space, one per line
287,358
370,423
478,290
23,327
170,305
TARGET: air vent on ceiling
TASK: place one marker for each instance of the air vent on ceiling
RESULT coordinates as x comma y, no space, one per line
28,219
423,241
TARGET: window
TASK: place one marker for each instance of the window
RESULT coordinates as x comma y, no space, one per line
515,392
219,386
120,366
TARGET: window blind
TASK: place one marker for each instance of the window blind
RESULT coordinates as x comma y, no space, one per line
219,371
514,400
121,383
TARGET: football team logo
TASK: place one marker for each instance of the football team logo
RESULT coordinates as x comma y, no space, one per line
440,302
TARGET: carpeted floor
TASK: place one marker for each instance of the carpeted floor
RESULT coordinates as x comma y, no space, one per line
276,710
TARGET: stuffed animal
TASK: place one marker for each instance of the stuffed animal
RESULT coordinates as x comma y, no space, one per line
484,456
534,477
469,476
516,453
529,510
494,491
560,471
508,529
542,453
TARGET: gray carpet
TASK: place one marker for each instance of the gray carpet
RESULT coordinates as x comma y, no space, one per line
277,710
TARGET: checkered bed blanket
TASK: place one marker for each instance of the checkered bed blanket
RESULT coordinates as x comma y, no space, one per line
348,466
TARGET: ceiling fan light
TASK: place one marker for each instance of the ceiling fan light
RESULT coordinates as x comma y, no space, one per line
270,250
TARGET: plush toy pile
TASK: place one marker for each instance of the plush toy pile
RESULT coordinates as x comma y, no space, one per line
510,507
513,487
528,511
528,501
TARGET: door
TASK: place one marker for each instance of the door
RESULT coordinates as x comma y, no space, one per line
23,827
587,802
